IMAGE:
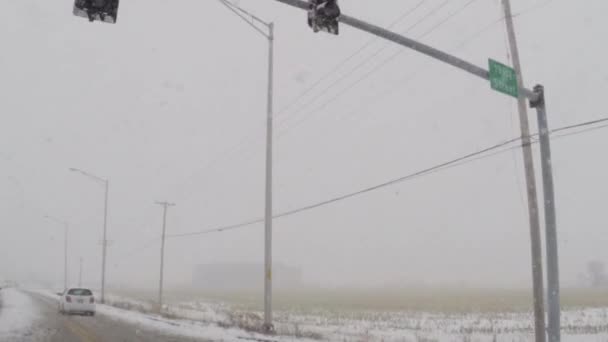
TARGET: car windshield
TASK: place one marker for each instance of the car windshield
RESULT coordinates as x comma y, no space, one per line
80,292
304,170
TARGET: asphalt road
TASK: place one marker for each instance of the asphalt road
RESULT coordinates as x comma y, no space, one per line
54,327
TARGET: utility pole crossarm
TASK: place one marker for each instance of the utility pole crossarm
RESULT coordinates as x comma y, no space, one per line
412,44
168,204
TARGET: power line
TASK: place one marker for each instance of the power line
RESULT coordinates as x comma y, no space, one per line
584,124
448,18
347,59
384,93
353,194
397,180
349,195
361,64
580,132
355,53
219,229
246,141
375,69
534,139
479,32
470,157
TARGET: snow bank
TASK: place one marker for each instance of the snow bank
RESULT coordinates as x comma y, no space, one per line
17,314
184,327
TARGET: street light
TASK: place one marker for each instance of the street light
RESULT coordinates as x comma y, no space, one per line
251,20
104,243
65,249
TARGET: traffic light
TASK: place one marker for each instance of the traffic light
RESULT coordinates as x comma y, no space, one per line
100,10
323,15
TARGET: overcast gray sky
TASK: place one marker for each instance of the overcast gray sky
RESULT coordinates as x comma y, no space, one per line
158,102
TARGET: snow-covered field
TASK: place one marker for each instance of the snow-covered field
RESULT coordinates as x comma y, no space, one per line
17,314
585,325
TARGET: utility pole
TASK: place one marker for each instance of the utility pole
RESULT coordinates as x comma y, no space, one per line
165,205
533,212
104,242
80,274
65,257
268,327
502,81
252,20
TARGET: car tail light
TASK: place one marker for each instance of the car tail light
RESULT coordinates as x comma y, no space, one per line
68,299
92,300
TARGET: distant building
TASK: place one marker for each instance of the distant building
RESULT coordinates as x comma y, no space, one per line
243,277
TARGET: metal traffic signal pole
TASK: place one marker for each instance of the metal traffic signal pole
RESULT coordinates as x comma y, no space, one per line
553,297
536,100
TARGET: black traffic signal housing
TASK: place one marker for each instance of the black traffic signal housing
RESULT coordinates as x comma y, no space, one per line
323,15
97,10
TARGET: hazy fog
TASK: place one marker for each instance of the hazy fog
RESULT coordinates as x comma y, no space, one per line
158,102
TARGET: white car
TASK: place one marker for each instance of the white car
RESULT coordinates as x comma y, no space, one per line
77,300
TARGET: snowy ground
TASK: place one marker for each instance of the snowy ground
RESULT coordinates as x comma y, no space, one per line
17,314
221,322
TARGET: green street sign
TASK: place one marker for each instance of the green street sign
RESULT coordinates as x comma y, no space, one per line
503,78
